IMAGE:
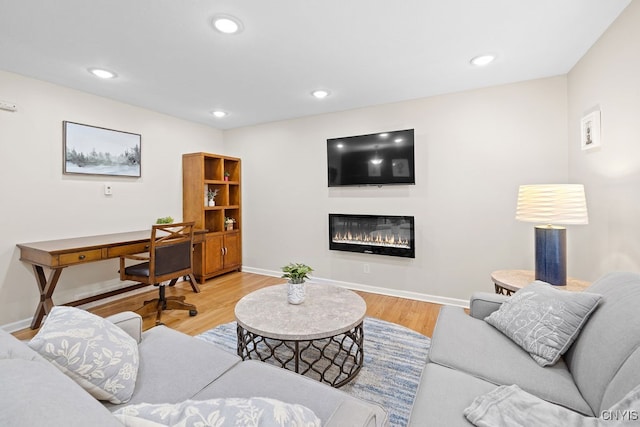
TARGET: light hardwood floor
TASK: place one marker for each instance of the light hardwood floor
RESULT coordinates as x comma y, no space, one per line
218,297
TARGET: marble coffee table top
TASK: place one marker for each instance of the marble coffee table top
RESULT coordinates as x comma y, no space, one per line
326,311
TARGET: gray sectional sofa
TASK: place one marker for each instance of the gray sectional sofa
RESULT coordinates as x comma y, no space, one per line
471,358
173,367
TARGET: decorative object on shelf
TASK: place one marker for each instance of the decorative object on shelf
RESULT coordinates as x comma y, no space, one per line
590,131
91,150
296,273
228,223
226,176
211,197
164,220
552,204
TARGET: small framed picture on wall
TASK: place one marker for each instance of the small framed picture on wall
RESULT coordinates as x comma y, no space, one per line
590,131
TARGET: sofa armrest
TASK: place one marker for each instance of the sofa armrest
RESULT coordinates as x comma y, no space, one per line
483,304
130,322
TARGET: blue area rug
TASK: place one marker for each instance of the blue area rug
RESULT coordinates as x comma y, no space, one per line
394,357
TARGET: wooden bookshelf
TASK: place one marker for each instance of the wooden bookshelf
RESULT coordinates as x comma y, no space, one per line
221,251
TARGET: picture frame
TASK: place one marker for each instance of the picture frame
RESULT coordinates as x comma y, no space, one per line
93,150
590,131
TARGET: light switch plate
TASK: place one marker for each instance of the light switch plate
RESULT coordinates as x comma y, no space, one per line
8,106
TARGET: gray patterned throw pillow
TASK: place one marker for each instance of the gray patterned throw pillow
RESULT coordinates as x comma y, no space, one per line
95,353
543,320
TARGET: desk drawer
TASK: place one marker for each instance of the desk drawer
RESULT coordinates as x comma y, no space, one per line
135,248
80,257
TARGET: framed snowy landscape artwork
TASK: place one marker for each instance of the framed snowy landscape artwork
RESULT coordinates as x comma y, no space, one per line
91,150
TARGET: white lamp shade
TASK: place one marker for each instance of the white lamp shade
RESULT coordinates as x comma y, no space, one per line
552,204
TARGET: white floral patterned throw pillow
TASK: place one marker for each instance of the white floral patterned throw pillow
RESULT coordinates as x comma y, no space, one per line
255,411
95,353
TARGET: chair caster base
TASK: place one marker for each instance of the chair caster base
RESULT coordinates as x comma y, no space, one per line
193,312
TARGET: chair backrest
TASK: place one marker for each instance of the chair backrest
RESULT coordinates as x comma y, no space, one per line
171,251
605,358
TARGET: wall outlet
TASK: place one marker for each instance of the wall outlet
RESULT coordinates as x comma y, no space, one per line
366,269
108,190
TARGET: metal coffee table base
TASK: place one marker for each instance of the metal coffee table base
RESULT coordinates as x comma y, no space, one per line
335,360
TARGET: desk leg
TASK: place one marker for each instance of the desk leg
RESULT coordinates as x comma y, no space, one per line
46,288
194,284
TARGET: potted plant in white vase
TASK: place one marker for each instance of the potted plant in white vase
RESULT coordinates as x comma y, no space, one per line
296,273
211,196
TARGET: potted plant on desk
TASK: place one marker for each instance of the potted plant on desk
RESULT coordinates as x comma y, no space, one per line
296,273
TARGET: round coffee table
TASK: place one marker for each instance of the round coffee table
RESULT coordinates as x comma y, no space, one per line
321,338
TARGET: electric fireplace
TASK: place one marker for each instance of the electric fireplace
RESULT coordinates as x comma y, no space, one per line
392,235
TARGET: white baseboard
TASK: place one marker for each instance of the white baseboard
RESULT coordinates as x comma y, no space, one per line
371,289
25,323
16,326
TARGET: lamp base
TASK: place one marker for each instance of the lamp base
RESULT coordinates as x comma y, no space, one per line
551,254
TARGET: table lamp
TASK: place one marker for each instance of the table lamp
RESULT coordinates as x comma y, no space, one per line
552,204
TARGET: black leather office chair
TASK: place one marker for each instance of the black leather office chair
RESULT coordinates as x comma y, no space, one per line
170,257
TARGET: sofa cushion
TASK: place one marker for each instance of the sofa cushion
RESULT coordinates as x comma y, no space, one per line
511,406
471,345
175,366
256,411
13,348
543,320
254,378
443,395
34,393
96,354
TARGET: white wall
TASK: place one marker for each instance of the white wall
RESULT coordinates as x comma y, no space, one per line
607,78
473,150
40,203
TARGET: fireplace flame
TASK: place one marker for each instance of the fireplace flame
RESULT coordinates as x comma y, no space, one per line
377,238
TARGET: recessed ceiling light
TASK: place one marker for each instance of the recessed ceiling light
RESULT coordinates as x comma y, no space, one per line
227,24
320,93
220,114
102,73
398,140
482,60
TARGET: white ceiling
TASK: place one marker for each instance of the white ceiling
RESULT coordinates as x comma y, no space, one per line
365,52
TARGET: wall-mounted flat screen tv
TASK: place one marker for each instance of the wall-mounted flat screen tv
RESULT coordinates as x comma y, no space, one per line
375,159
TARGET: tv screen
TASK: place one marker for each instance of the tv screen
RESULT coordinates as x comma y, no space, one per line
375,159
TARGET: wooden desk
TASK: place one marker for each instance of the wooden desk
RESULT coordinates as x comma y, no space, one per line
58,254
508,281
